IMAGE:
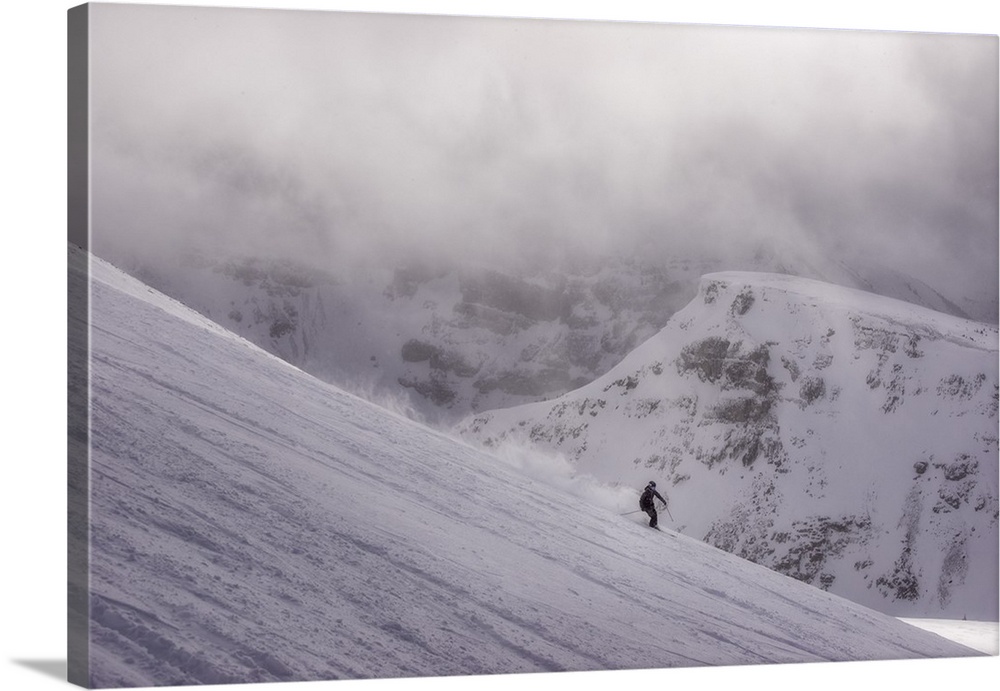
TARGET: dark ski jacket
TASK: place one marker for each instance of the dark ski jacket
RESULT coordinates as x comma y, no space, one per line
646,498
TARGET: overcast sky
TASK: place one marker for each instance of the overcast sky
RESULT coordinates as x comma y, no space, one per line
330,135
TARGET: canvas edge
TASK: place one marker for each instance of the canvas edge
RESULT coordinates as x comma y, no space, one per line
78,352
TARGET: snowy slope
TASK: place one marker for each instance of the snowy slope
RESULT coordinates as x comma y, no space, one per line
251,523
843,438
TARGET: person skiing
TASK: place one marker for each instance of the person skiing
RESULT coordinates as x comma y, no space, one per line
646,502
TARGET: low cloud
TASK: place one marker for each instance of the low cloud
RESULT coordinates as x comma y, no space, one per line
332,135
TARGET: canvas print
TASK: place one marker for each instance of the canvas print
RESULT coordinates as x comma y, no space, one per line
411,346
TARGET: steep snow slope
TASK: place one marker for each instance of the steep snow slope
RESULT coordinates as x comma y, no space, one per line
843,438
251,523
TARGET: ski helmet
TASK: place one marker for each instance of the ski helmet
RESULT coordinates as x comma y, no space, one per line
652,484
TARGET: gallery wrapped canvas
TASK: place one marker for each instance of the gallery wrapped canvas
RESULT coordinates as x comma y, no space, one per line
379,324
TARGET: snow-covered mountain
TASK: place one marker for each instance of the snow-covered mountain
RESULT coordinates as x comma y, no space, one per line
843,438
444,340
249,522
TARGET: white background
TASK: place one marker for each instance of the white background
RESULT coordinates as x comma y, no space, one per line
32,203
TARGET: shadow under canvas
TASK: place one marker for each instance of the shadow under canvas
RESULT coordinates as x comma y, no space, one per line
50,668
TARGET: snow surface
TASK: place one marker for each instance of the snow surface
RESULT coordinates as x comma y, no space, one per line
252,523
980,635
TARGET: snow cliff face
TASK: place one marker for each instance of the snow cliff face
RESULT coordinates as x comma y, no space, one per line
443,341
842,438
250,523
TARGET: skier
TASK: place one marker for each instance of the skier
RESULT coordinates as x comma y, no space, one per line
646,502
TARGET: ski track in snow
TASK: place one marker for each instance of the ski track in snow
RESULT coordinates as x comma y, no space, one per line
251,523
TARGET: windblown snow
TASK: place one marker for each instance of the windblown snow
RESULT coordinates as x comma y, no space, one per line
252,523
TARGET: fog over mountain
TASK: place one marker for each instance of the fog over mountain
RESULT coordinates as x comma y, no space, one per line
335,137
